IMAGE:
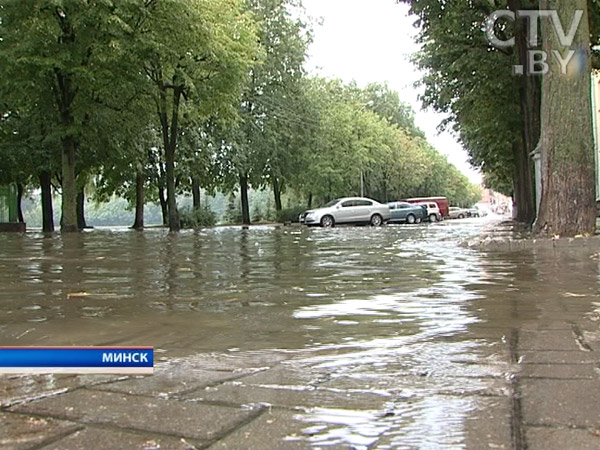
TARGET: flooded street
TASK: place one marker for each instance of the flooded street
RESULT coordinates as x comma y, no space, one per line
357,337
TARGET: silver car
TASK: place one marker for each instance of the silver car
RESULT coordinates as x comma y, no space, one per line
457,213
347,210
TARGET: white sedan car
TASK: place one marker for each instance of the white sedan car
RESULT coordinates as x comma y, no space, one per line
347,210
458,213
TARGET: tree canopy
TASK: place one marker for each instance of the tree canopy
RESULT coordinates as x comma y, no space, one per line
151,100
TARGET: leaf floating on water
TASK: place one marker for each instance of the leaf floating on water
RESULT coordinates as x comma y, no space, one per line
150,445
570,294
73,295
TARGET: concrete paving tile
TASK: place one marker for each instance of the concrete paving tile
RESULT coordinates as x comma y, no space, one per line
539,438
490,332
448,422
421,385
561,340
474,370
591,335
18,388
166,384
119,440
274,429
487,353
547,325
565,371
489,424
287,375
238,393
564,403
220,362
22,432
172,417
558,357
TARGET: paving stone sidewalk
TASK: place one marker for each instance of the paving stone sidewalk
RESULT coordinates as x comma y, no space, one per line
538,387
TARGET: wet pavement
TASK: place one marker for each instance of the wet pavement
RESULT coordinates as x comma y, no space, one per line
402,337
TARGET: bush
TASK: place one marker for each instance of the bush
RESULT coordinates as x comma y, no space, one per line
197,218
233,213
290,214
257,214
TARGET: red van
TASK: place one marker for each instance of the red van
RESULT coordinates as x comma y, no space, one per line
442,203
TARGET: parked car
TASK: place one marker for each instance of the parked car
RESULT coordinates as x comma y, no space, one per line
476,212
406,212
347,210
458,213
441,202
433,211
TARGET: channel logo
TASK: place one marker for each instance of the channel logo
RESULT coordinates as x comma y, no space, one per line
77,360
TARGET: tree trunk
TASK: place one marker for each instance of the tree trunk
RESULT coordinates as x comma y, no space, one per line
164,208
171,200
244,195
138,223
196,193
20,192
69,187
47,209
523,184
529,95
81,224
65,94
169,132
568,183
163,205
277,193
310,200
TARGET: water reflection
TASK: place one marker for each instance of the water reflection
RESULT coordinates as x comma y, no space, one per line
404,314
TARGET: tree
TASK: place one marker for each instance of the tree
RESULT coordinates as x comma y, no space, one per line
72,50
29,150
386,103
568,183
262,147
195,51
494,114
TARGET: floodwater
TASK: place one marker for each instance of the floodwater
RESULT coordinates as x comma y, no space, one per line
404,313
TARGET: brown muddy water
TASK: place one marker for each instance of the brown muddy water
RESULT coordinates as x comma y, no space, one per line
403,312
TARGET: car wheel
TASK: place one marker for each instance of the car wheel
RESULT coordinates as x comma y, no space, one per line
411,219
376,220
433,218
461,216
419,220
327,222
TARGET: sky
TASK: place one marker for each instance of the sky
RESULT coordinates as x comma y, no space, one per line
372,41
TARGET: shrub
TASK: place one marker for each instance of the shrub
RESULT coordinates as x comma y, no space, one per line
290,214
233,213
197,218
